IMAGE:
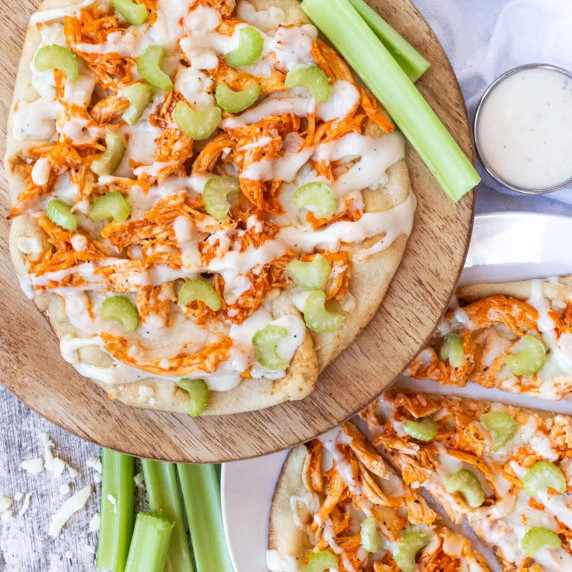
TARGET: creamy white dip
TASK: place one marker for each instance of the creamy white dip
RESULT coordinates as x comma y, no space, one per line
524,129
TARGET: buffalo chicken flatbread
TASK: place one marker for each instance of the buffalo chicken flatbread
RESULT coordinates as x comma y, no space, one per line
515,336
339,506
200,191
506,470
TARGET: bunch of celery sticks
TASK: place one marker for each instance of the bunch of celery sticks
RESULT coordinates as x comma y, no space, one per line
179,496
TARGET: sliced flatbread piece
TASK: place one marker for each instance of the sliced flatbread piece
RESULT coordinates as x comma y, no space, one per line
506,470
514,336
329,487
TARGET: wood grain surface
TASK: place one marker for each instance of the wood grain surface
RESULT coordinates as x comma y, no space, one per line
34,371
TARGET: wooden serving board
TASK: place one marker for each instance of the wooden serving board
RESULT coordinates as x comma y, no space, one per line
32,368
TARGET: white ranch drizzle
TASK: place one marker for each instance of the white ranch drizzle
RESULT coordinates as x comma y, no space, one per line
277,563
35,119
375,156
41,171
343,99
265,20
292,47
309,500
118,372
168,27
274,105
393,222
283,168
59,13
546,326
195,34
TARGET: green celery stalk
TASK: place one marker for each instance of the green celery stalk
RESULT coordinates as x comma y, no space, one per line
116,510
164,500
150,543
201,495
410,60
349,33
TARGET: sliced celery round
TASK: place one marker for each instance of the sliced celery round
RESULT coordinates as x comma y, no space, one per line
467,483
120,309
319,196
199,290
139,96
312,78
423,430
452,350
530,359
108,161
537,537
265,344
236,101
250,46
317,318
149,68
371,539
322,562
309,275
215,195
198,391
501,426
113,205
135,14
543,475
59,213
198,125
57,57
406,549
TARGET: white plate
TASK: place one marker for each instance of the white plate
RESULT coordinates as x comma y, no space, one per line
504,247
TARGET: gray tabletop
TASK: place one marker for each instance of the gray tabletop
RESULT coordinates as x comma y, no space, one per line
478,54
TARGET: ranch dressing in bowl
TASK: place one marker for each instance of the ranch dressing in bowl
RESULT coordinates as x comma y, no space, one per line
523,129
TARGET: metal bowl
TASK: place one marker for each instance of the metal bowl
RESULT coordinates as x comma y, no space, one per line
482,101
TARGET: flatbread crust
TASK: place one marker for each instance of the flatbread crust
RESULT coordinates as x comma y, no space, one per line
554,289
283,534
315,353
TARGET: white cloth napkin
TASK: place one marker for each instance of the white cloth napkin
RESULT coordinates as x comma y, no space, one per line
485,38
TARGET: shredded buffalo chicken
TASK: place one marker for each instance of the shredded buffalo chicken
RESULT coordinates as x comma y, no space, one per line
491,329
119,257
354,487
461,436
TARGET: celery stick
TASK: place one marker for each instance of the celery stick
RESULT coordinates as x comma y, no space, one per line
164,500
348,32
150,544
116,511
201,495
410,60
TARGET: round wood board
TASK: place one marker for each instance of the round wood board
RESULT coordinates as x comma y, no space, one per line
34,371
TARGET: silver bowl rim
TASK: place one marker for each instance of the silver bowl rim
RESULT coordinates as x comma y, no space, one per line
478,110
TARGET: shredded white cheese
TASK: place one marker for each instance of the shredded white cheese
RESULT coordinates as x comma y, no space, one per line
94,463
138,478
94,523
53,464
33,466
67,510
64,489
25,505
